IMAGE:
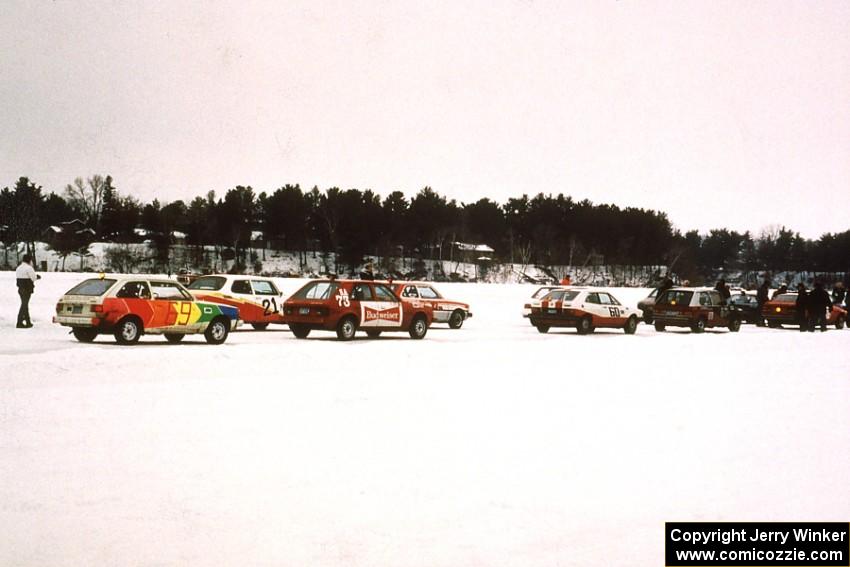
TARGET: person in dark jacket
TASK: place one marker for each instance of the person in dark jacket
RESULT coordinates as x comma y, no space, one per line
819,303
25,277
838,293
802,307
723,290
762,297
779,291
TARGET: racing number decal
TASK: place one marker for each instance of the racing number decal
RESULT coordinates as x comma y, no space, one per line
269,307
614,311
183,310
342,298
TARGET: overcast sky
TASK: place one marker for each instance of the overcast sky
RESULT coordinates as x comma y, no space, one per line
729,114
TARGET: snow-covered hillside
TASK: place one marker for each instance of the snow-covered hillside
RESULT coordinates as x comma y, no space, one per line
491,445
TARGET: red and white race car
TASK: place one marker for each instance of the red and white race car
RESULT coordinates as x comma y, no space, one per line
258,299
445,310
538,294
346,306
584,308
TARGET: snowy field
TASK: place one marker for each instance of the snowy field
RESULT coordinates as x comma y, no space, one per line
492,445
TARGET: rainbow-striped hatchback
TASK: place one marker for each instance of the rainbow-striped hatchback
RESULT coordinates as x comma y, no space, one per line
129,306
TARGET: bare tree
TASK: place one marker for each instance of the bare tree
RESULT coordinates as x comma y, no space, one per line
87,198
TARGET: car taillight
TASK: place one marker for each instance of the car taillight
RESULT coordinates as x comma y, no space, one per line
287,310
58,307
778,309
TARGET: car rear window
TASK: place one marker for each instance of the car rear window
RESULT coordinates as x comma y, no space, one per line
208,283
316,290
676,297
560,295
92,287
789,297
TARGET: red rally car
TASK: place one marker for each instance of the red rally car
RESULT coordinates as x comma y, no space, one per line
696,307
346,306
445,310
782,310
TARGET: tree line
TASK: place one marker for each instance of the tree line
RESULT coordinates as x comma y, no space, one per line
545,229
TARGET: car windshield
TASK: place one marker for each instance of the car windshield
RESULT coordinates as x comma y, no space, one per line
561,295
676,297
209,283
92,287
316,290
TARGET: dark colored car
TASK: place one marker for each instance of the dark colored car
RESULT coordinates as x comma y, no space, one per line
747,307
696,308
782,310
647,306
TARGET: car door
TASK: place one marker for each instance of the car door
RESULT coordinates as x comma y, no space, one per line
363,300
391,309
612,311
173,308
136,297
267,295
429,296
593,305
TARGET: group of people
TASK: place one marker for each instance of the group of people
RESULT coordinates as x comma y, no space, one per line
811,306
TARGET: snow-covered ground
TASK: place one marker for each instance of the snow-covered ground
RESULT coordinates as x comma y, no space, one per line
491,445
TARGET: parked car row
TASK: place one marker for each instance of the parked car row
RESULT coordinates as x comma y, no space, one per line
129,306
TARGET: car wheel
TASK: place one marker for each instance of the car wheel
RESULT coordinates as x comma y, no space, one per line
839,324
735,325
647,317
699,326
174,337
584,326
346,329
774,324
542,328
217,331
631,325
660,327
456,319
128,331
373,334
300,331
418,328
84,334
260,326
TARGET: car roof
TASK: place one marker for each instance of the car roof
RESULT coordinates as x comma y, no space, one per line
691,289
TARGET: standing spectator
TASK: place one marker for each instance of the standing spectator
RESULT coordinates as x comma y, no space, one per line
819,302
762,296
25,276
838,293
780,290
802,307
724,291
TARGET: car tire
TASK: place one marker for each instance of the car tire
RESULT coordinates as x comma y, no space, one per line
346,328
774,324
373,334
174,338
631,325
542,328
260,326
647,317
839,323
660,327
418,327
84,334
699,326
300,331
217,331
735,325
456,319
128,331
584,326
